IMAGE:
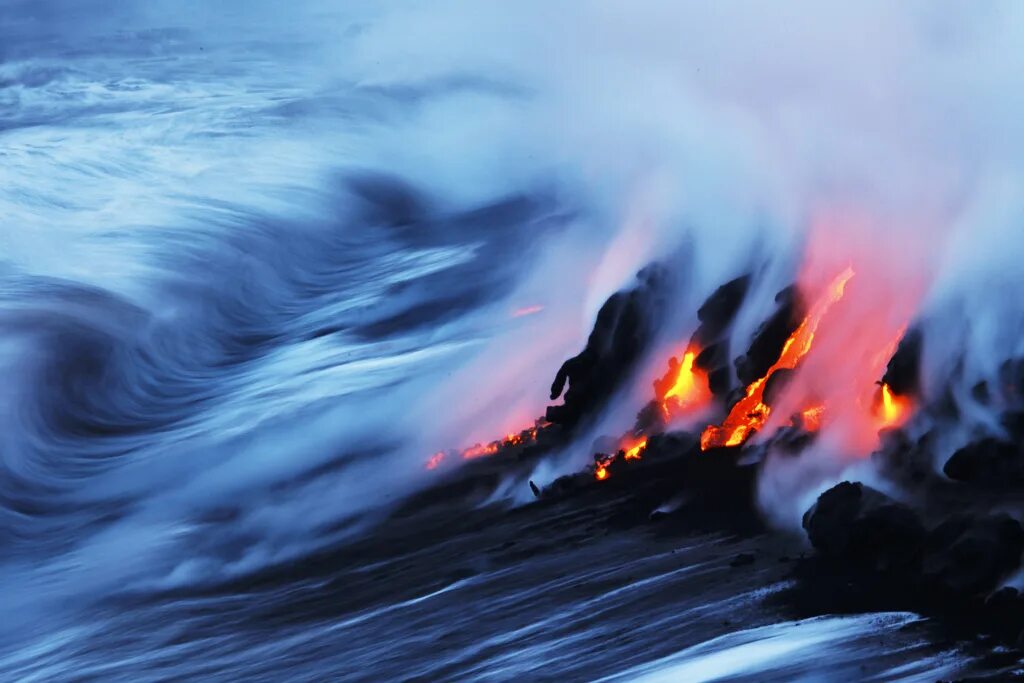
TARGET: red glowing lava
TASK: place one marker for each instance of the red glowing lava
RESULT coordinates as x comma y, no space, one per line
684,387
750,412
633,451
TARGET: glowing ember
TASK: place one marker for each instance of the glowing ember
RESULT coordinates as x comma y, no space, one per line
750,412
525,437
479,450
526,310
601,467
891,409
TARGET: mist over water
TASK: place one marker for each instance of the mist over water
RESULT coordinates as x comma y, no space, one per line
257,263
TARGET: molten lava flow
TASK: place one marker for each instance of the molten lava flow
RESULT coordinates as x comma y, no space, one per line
810,418
750,412
891,409
633,452
601,467
525,437
479,450
683,388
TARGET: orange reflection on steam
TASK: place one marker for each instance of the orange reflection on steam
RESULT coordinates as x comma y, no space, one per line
526,310
811,418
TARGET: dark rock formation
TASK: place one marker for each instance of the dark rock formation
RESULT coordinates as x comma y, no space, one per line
719,310
865,528
988,462
903,373
766,346
969,554
623,329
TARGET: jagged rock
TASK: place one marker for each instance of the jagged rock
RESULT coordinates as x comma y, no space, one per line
862,527
716,315
971,554
718,311
987,462
903,373
623,329
714,360
771,336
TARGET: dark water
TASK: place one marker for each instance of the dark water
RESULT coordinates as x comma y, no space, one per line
233,278
541,594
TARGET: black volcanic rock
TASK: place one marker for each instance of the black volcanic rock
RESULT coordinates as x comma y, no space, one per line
903,373
987,462
718,311
716,315
771,336
904,459
862,527
971,554
622,332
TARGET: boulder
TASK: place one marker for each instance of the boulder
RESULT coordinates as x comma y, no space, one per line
969,554
863,528
987,462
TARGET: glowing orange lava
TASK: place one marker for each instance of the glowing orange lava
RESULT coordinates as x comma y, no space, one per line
479,450
633,452
811,418
601,468
891,409
687,386
435,460
523,437
750,412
